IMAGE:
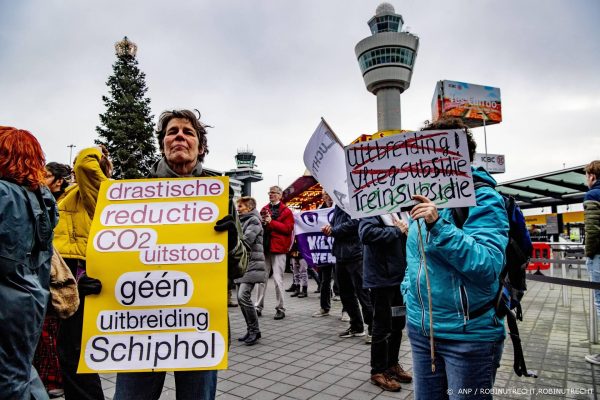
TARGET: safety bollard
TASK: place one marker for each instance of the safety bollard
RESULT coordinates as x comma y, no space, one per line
552,265
564,288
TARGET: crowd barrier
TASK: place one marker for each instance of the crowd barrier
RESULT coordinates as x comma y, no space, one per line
564,254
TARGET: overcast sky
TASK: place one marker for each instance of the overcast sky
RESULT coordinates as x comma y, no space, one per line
264,72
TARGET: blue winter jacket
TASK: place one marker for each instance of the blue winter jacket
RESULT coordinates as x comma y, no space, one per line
384,253
591,207
344,230
463,267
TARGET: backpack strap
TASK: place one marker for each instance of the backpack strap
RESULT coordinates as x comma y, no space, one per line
519,359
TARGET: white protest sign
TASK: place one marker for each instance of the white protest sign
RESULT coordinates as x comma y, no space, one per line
324,158
384,174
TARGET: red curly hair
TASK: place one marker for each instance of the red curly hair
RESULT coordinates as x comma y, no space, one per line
21,157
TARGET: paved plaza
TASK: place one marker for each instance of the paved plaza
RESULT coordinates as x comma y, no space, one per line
302,357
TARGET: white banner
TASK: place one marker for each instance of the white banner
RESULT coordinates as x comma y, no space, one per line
324,158
384,174
313,245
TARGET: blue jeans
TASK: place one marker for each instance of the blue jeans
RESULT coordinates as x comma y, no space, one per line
189,385
593,267
463,370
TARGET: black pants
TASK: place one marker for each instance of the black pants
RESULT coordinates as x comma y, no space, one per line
350,280
313,274
326,272
76,386
244,296
387,331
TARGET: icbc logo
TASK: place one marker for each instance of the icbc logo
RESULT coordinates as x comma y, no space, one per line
500,160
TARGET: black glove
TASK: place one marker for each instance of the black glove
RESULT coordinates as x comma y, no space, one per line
87,285
227,223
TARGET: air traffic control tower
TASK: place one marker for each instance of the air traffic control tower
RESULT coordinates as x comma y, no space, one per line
386,61
245,171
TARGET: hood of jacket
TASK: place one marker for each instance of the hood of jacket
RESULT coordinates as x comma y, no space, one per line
480,174
252,214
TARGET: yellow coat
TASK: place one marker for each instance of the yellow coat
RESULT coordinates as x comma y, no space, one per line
77,205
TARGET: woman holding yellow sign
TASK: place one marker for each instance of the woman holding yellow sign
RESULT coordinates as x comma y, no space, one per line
182,141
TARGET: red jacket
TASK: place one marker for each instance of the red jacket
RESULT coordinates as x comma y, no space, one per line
279,229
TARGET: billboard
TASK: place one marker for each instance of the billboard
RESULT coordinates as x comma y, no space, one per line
493,163
472,103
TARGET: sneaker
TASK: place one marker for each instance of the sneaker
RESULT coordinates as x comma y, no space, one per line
336,298
352,333
321,313
593,358
398,373
54,393
345,317
385,382
369,339
279,315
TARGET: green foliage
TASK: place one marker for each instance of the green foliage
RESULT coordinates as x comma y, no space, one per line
126,127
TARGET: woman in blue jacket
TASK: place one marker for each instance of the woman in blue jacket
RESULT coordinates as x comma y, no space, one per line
463,266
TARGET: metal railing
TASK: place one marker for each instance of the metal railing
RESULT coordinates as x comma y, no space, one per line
568,254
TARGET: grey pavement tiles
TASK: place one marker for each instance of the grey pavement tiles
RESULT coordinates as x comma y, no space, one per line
301,357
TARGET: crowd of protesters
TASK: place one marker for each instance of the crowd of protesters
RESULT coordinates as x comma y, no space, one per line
417,271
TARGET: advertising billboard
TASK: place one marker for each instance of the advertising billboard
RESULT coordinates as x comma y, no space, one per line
472,103
493,163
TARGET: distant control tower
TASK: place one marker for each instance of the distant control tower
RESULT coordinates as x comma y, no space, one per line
386,60
245,171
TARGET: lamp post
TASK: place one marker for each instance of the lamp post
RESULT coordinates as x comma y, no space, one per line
278,176
71,152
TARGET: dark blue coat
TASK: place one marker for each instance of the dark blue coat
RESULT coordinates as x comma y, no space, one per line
384,252
346,246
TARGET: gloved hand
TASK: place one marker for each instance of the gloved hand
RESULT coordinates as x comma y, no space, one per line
87,285
227,223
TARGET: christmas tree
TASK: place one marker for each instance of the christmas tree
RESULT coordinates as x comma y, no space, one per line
126,127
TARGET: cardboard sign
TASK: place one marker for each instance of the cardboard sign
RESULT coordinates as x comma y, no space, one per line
313,245
384,174
324,158
493,163
474,104
163,270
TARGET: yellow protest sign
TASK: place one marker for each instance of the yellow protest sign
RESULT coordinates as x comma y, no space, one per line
163,270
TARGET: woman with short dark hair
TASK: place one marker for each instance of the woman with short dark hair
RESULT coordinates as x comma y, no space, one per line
255,272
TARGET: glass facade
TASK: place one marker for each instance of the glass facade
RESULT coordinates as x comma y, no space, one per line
386,55
385,23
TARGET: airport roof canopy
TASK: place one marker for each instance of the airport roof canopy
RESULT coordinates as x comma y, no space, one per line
567,186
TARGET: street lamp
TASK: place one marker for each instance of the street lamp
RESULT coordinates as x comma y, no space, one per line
278,176
71,152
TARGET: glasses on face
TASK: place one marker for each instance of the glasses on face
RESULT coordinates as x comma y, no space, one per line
274,193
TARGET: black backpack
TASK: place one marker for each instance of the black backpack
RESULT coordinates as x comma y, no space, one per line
513,285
